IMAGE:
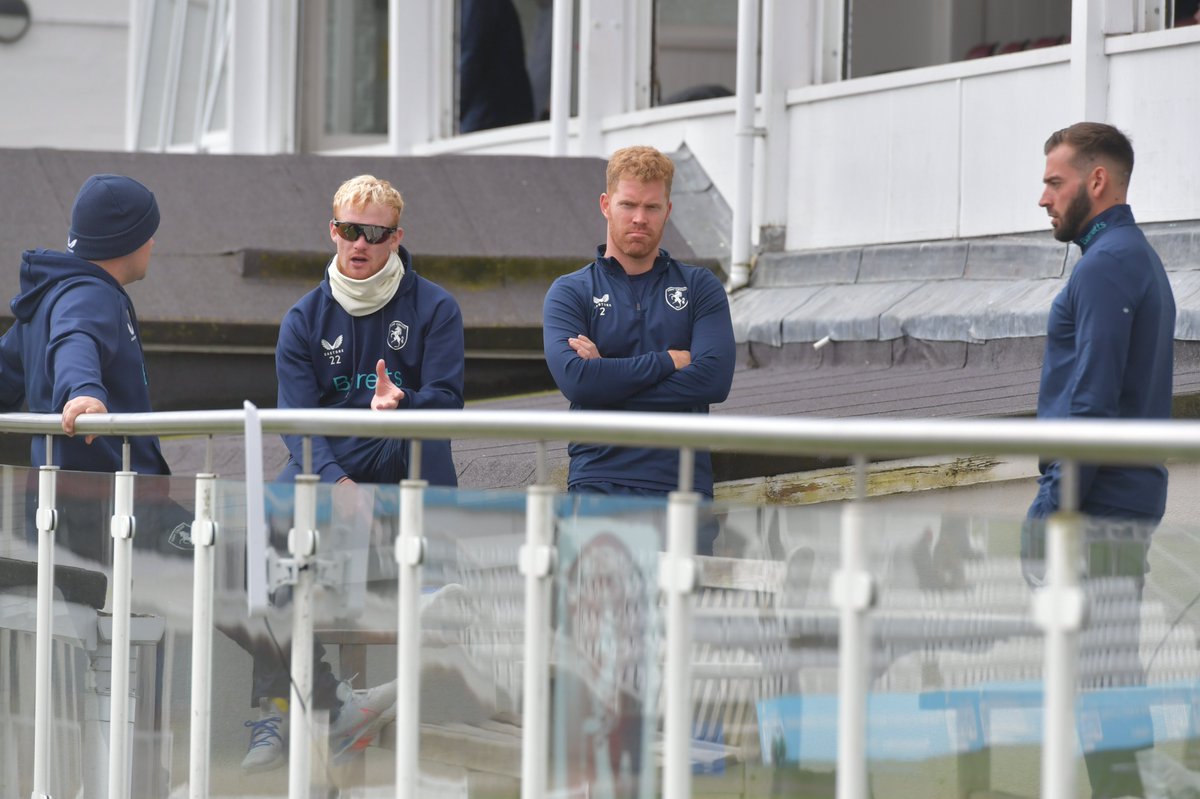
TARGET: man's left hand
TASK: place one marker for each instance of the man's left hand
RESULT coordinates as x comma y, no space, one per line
584,347
387,394
75,408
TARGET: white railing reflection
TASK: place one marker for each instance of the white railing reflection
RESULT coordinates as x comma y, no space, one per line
852,592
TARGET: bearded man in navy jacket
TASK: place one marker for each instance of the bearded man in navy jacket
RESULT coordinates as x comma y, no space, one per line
636,330
1109,355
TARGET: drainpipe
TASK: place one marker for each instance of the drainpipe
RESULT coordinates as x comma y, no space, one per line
560,75
743,200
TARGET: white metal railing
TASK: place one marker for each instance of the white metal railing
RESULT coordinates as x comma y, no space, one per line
1056,606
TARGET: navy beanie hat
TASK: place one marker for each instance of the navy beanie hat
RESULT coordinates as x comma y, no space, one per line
113,215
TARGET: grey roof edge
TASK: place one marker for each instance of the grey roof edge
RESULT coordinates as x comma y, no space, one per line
699,212
1002,257
968,290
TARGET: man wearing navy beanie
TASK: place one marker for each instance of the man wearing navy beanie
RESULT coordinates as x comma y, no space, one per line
75,347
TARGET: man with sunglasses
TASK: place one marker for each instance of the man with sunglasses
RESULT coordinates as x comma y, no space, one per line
374,334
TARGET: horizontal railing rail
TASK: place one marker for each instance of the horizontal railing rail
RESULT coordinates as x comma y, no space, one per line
1107,440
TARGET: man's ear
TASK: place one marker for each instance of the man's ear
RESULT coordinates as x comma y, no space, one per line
1099,180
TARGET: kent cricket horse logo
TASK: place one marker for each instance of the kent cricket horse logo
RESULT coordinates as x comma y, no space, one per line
397,335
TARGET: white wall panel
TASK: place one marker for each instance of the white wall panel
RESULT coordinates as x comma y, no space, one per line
710,138
1154,96
874,168
65,85
1006,118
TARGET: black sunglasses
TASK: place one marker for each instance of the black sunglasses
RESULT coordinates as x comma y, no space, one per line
350,231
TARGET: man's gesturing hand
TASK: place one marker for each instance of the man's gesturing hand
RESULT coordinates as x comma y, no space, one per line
387,394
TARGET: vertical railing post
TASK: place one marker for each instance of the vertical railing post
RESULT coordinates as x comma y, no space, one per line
537,563
410,554
302,544
678,579
852,593
122,529
1058,610
47,523
204,536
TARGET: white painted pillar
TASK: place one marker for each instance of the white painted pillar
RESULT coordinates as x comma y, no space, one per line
135,82
560,75
604,69
1089,64
421,72
744,133
248,77
788,46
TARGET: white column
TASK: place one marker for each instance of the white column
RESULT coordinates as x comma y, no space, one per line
43,713
421,72
537,564
204,537
134,72
303,543
787,62
743,155
248,77
1089,64
608,64
831,33
410,554
560,74
122,530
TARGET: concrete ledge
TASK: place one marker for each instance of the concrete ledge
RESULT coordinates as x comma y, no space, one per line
846,312
931,260
1015,258
758,315
775,269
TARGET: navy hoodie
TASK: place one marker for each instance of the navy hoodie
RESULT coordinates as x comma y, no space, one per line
326,358
633,321
76,334
1110,354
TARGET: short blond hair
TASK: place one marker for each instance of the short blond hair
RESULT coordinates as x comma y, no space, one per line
360,191
641,163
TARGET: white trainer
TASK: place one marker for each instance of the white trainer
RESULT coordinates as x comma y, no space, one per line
267,736
362,715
